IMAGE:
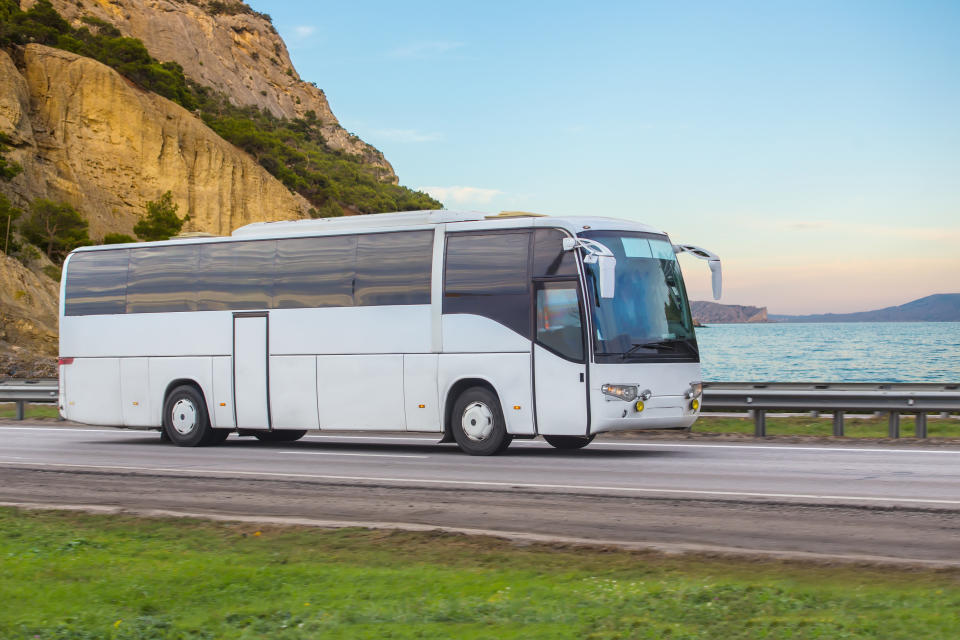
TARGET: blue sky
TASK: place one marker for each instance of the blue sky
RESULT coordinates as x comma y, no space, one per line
814,145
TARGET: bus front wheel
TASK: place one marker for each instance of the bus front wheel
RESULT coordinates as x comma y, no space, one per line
185,419
568,442
478,425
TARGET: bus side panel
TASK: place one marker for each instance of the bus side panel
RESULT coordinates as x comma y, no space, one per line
293,392
468,333
420,392
347,330
163,371
93,391
136,404
222,416
360,392
509,373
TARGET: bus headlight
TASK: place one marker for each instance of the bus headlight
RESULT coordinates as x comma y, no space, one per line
695,390
694,404
627,392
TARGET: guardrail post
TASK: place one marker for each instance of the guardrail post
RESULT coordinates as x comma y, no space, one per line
759,423
921,430
20,409
838,423
893,426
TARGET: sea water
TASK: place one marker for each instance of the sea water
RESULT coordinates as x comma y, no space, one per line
831,352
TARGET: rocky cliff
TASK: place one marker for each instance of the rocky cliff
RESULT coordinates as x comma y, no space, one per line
713,312
28,320
227,46
87,136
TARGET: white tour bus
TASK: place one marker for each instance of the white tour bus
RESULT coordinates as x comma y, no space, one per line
478,328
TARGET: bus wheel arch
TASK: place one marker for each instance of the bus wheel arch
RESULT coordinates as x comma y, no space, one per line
477,396
185,418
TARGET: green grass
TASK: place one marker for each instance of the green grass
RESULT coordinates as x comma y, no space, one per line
9,410
823,426
72,576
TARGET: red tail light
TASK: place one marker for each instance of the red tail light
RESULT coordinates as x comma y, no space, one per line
64,360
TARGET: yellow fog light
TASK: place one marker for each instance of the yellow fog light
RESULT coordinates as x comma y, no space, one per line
695,404
639,406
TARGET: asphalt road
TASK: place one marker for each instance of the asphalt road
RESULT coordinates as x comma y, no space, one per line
866,503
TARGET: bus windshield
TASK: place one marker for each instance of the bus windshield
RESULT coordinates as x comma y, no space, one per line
649,316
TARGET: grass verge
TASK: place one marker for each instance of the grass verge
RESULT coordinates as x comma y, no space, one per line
78,576
823,426
9,410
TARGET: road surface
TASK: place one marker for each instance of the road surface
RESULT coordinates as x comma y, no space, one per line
835,502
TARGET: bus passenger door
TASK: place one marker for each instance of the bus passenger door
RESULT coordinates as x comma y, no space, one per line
250,374
559,359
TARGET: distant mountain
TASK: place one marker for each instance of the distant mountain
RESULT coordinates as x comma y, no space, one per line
713,312
941,307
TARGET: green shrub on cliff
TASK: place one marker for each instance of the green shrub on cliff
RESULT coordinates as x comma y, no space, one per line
8,170
55,227
161,221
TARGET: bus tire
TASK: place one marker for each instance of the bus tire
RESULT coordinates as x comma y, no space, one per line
185,419
569,442
478,425
281,435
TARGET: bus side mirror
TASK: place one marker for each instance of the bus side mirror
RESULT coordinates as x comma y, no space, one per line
713,260
608,275
596,253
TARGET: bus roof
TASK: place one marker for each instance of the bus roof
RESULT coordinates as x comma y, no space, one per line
431,217
462,220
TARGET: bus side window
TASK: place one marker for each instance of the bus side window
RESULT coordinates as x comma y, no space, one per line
97,283
486,274
549,258
394,268
559,324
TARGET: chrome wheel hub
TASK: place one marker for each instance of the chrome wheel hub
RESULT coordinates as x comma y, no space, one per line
184,417
477,421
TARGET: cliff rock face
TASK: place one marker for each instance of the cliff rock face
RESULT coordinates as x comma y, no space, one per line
28,321
87,136
713,312
232,49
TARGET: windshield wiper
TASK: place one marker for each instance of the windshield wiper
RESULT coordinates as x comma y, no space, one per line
656,344
669,345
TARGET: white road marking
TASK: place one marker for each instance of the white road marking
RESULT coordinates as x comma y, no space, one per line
487,483
117,430
366,455
844,448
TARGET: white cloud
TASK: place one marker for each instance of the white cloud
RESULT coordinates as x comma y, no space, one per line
406,135
304,31
422,50
462,195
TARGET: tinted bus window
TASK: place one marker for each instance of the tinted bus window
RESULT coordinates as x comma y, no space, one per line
96,283
235,275
163,279
549,258
315,272
394,268
487,263
486,274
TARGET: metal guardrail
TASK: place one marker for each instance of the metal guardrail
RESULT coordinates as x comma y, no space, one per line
41,390
837,398
756,397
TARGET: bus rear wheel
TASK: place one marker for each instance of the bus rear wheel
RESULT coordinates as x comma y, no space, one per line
185,419
568,442
478,425
282,435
